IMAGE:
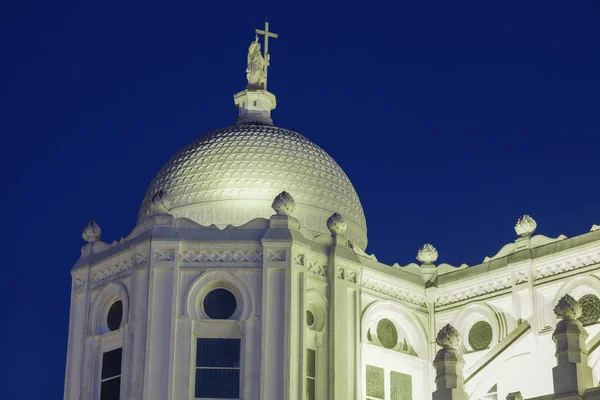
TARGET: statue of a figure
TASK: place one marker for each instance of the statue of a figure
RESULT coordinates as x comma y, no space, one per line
255,72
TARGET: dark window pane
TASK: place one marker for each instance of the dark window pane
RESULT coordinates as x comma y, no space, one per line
111,363
218,383
110,389
400,386
310,389
310,363
375,382
220,304
115,316
387,333
218,353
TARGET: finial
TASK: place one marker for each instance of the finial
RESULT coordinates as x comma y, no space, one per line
91,232
161,204
336,224
525,226
567,308
448,337
427,254
284,204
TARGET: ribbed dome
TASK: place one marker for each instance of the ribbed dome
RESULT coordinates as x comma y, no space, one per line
231,175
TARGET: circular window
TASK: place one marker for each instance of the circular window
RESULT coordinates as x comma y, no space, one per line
590,309
480,335
310,318
115,315
387,333
220,304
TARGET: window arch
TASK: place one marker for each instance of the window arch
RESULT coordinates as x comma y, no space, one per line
480,326
105,302
212,281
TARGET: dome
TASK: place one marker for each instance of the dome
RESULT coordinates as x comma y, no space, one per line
231,175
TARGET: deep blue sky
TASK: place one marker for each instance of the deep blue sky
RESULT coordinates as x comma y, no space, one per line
451,121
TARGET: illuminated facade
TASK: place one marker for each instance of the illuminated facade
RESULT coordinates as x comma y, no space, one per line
229,288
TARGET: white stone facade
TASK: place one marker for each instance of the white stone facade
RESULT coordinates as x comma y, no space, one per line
313,315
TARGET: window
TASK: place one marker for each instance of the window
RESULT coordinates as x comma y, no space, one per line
220,304
310,374
400,386
375,384
218,368
480,335
387,333
590,309
115,315
110,387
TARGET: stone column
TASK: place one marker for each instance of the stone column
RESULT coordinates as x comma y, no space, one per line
448,364
572,375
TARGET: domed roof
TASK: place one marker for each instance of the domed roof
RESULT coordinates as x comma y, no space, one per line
231,175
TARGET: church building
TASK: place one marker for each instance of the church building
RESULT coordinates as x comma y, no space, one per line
247,277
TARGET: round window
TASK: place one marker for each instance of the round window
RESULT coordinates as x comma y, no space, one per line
310,318
387,333
480,335
590,309
220,304
115,315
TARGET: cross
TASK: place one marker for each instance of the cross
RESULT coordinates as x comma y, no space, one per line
267,35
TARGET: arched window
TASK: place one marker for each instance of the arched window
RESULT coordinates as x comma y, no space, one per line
115,316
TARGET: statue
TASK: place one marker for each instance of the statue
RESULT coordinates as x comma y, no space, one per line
255,73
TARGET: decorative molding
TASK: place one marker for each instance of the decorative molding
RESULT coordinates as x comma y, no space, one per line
474,291
317,268
521,277
566,266
111,270
393,291
299,259
140,258
231,256
351,276
340,273
276,255
164,255
78,283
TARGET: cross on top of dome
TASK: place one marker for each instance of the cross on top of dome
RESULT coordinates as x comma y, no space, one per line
255,103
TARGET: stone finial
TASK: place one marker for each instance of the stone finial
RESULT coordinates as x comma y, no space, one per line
91,232
525,226
161,204
514,396
284,204
567,308
427,254
336,224
448,337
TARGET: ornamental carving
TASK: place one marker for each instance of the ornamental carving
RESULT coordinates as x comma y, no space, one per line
160,204
215,256
448,337
567,308
284,204
336,224
471,292
110,271
525,226
276,255
590,309
299,259
566,266
480,335
91,232
164,254
393,291
427,254
317,268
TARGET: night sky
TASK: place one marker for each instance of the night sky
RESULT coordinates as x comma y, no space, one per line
450,120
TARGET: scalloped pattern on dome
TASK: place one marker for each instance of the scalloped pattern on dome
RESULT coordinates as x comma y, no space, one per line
231,175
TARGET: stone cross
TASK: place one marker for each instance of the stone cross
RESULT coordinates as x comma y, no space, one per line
267,35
